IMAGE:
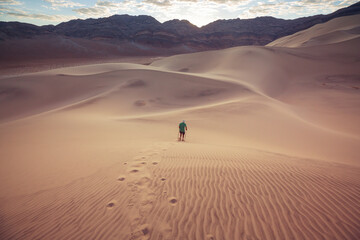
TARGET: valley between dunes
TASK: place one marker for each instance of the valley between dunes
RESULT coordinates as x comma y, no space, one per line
271,152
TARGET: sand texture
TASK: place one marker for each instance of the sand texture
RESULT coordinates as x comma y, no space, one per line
271,152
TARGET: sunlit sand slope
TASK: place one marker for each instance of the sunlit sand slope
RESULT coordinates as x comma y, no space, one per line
336,30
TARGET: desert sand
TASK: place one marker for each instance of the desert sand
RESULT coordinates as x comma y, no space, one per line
271,152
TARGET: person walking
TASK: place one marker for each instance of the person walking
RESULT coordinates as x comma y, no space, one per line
182,129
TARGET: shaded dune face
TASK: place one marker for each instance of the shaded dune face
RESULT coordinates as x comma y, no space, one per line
271,151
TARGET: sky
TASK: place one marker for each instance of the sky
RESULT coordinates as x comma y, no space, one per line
198,12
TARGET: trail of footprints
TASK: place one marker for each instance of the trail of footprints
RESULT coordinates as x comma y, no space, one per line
138,177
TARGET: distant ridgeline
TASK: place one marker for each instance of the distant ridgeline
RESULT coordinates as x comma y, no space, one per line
146,31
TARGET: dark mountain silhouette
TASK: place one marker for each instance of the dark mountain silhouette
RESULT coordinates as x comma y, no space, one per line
144,35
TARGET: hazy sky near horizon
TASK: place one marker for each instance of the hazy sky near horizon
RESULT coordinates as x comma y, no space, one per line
198,12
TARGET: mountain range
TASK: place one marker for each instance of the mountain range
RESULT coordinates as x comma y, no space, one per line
144,35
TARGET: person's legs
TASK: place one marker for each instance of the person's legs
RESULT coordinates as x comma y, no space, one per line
182,136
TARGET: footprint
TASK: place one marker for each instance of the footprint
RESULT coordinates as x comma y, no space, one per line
110,204
173,200
125,163
155,163
210,237
143,232
143,162
134,171
121,179
162,179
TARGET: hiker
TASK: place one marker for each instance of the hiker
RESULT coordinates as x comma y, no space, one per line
182,129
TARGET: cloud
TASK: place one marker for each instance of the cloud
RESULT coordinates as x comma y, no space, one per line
230,1
107,8
107,4
34,16
325,3
294,9
161,3
90,11
101,8
201,12
198,12
55,4
9,11
10,2
166,3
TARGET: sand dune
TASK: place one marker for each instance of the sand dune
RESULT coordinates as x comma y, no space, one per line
334,31
91,152
191,191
